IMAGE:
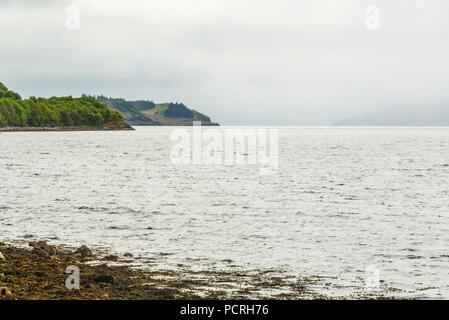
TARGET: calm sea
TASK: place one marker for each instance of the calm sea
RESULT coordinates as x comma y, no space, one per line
344,201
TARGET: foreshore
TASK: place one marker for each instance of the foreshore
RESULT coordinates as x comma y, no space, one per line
38,272
45,129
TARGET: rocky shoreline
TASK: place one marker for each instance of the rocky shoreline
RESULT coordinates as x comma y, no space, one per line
38,272
45,129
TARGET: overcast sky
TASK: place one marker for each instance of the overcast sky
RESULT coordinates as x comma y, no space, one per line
264,62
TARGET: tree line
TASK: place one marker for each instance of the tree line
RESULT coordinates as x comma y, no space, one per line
55,111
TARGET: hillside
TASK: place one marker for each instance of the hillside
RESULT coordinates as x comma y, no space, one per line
56,112
130,113
148,113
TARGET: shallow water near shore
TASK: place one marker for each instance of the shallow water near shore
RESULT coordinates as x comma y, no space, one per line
343,200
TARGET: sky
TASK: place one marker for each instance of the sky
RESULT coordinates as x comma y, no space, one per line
242,62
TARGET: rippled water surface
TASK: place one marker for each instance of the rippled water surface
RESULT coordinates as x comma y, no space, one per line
344,199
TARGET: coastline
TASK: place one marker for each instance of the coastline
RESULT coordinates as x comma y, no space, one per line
189,124
46,129
37,272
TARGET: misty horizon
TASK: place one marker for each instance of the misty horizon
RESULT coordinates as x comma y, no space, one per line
286,63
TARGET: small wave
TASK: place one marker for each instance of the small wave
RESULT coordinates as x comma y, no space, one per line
118,227
85,208
412,257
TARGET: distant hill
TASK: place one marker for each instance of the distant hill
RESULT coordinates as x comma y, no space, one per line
405,116
148,113
61,112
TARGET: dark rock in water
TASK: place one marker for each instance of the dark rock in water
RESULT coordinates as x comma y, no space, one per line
84,251
28,236
128,255
111,257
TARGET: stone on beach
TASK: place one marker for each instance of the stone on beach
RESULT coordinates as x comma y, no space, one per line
84,251
43,248
4,291
2,257
104,278
63,252
38,244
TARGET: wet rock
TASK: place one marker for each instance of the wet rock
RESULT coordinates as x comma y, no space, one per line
4,291
63,252
51,250
40,274
38,244
111,257
2,276
42,248
2,257
128,255
104,278
39,251
84,251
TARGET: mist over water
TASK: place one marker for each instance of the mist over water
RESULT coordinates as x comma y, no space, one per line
343,199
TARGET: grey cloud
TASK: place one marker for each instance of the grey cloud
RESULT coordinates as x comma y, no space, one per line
242,62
